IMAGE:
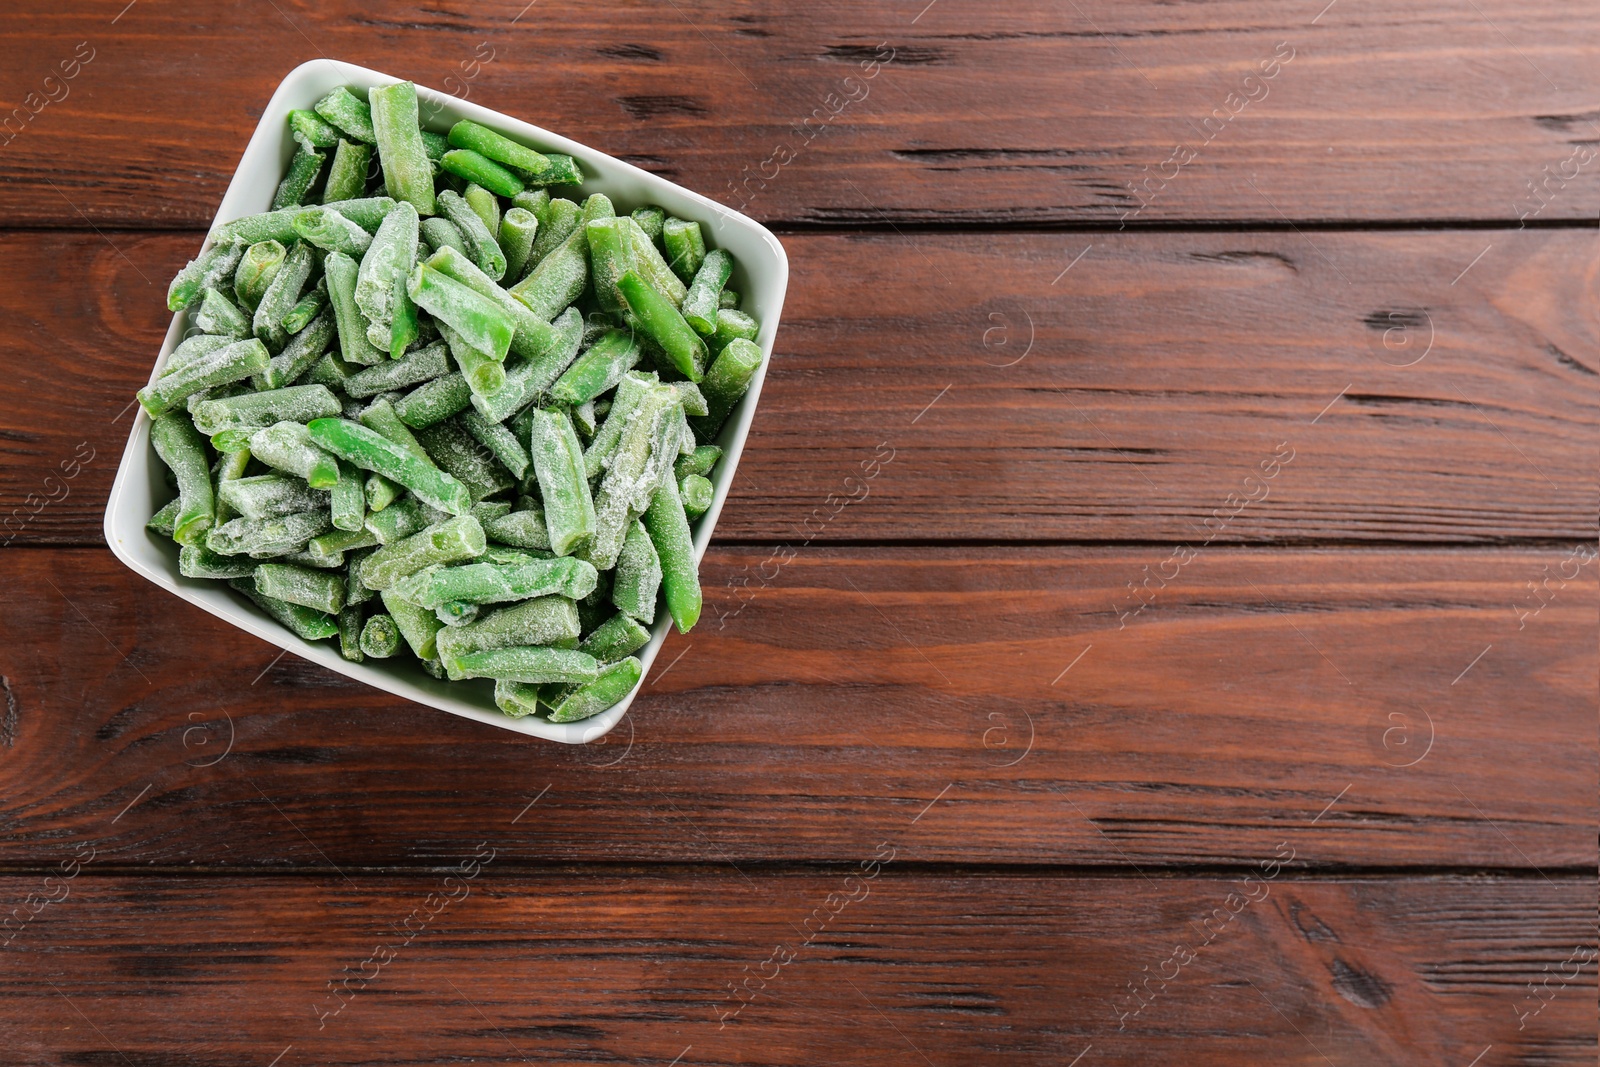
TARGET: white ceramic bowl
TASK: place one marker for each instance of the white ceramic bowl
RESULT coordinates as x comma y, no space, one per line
761,276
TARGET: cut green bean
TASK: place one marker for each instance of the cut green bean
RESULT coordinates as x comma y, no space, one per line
473,167
485,142
697,494
228,364
281,295
212,269
257,267
453,449
455,613
611,255
303,171
569,512
331,370
665,325
653,267
263,538
371,451
690,396
727,299
288,446
486,206
407,172
331,231
366,212
349,113
380,637
388,258
435,144
306,623
609,687
418,626
254,411
560,170
402,519
561,276
650,220
414,368
307,309
638,575
668,527
496,583
328,549
501,443
407,326
727,380
347,175
527,378
435,401
599,369
481,244
220,316
349,623
557,219
518,228
732,325
685,245
484,374
544,620
450,541
312,130
380,492
520,529
532,337
192,349
700,304
380,416
480,321
516,699
298,585
163,522
183,450
354,347
524,664
266,496
348,500
440,233
617,637
197,561
630,391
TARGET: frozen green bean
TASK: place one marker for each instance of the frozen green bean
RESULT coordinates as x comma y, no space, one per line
732,325
407,172
311,130
701,302
402,519
197,561
542,620
419,626
599,369
569,511
288,446
561,275
638,575
349,113
366,212
435,401
221,316
388,258
665,325
619,636
414,368
228,364
380,637
453,449
211,269
257,267
557,219
606,690
281,295
331,231
524,664
349,622
441,233
685,245
347,174
265,496
371,451
164,521
253,411
322,590
518,228
304,169
485,142
611,255
653,267
520,529
267,537
697,494
495,583
482,247
532,337
450,541
348,500
727,299
501,443
480,321
728,379
306,623
354,346
183,450
473,167
668,527
486,206
328,549
307,308
649,220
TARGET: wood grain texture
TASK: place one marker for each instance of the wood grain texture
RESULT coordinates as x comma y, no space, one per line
1014,113
593,967
991,701
1127,399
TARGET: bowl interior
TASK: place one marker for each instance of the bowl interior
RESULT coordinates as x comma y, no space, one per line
760,276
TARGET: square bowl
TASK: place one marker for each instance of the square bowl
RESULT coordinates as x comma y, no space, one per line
761,275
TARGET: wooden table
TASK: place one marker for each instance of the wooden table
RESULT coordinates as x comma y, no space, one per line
1153,622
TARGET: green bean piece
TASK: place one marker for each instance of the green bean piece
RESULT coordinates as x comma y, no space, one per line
267,537
254,411
439,233
478,319
306,310
685,245
220,316
663,323
518,228
267,496
485,142
349,622
389,257
349,113
287,446
414,368
480,170
418,626
557,219
407,326
611,255
630,391
354,347
366,212
197,561
731,325
455,613
727,380
696,493
435,401
311,130
349,500
569,512
562,275
583,419
533,200
402,519
183,450
347,176
650,219
700,305
230,467
371,451
690,396
188,351
727,299
543,620
521,663
380,492
482,247
238,360
164,520
455,451
380,637
281,295
484,510
653,268
609,687
520,529
328,549
407,172
484,374
380,416
207,270
516,699
638,575
303,171
257,267
495,583
627,486
435,144
331,370
668,527
299,585
486,206
532,337
526,379
330,231
617,637
501,443
561,170
306,623
450,541
599,369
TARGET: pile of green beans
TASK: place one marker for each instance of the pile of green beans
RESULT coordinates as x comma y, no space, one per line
424,406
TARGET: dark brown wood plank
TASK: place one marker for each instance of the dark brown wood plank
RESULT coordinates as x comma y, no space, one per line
1164,371
995,693
1016,113
595,967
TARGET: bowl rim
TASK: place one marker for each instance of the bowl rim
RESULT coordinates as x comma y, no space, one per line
271,139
